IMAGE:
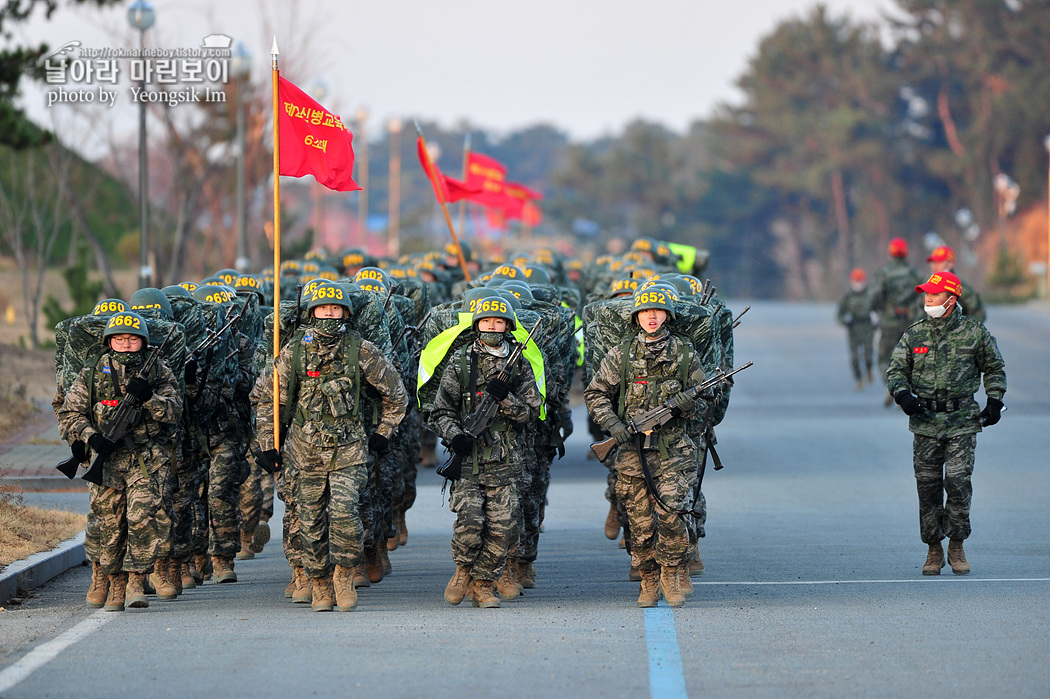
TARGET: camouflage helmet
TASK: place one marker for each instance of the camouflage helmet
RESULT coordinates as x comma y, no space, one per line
152,298
217,294
353,258
472,297
107,307
681,285
520,290
291,267
248,283
329,293
515,302
308,288
622,287
698,286
372,274
509,272
228,276
654,297
316,254
494,307
176,290
126,323
188,286
373,285
328,273
537,275
450,251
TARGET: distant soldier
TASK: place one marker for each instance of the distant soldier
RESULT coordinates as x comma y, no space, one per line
942,259
855,313
322,371
893,299
485,499
641,373
132,519
934,373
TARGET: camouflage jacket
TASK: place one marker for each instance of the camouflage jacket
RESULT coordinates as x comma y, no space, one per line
855,309
499,456
87,407
943,359
322,409
892,293
650,379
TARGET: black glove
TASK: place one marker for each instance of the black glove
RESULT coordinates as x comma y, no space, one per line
499,388
140,388
618,431
101,445
191,370
378,443
79,450
683,403
908,403
269,460
992,412
463,444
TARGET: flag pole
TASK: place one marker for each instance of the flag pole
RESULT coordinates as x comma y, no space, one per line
276,257
463,202
444,206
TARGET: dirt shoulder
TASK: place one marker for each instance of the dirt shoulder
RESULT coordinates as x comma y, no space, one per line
27,385
28,530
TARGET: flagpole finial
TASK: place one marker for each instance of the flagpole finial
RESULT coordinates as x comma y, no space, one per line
273,50
419,129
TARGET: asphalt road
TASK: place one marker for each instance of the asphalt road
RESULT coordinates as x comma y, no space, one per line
812,588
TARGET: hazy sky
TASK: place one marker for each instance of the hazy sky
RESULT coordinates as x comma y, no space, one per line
587,66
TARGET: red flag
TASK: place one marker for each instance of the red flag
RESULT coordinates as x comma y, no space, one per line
488,175
531,215
313,140
446,189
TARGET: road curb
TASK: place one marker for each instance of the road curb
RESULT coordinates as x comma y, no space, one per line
41,567
43,484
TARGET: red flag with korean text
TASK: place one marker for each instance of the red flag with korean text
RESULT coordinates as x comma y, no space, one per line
517,196
488,175
313,140
446,189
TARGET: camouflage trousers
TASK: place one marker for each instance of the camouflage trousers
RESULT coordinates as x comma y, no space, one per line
267,483
534,502
487,526
290,541
132,525
410,429
187,507
610,495
327,495
861,338
250,498
227,469
388,488
943,468
658,538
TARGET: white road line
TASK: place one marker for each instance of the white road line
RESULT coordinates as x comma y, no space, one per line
665,658
13,674
928,579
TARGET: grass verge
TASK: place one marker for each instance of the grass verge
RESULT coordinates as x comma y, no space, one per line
26,530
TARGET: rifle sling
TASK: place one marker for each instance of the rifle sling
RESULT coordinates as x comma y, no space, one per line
651,485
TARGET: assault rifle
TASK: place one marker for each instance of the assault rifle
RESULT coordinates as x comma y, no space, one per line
116,428
412,331
736,321
484,413
213,338
645,423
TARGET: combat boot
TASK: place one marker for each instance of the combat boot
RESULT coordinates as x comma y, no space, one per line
189,580
957,557
649,593
175,575
457,586
160,577
683,580
203,565
246,553
634,575
303,591
671,586
345,594
118,584
622,543
136,592
260,537
323,594
361,576
934,560
526,574
222,567
695,567
612,523
394,541
373,565
483,595
384,558
290,587
99,590
402,528
507,586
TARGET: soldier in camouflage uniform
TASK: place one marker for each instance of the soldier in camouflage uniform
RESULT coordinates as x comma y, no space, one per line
485,499
894,301
322,370
942,259
132,518
854,312
642,372
934,373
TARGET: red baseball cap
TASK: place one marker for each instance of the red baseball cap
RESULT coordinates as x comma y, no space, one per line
941,281
941,253
898,247
858,275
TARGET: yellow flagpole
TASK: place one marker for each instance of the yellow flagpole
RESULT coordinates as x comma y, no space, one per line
444,207
276,258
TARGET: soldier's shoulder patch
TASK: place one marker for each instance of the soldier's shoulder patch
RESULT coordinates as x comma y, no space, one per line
106,370
308,337
920,350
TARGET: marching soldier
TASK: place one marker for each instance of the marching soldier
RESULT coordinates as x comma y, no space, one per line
893,299
942,259
854,312
934,373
